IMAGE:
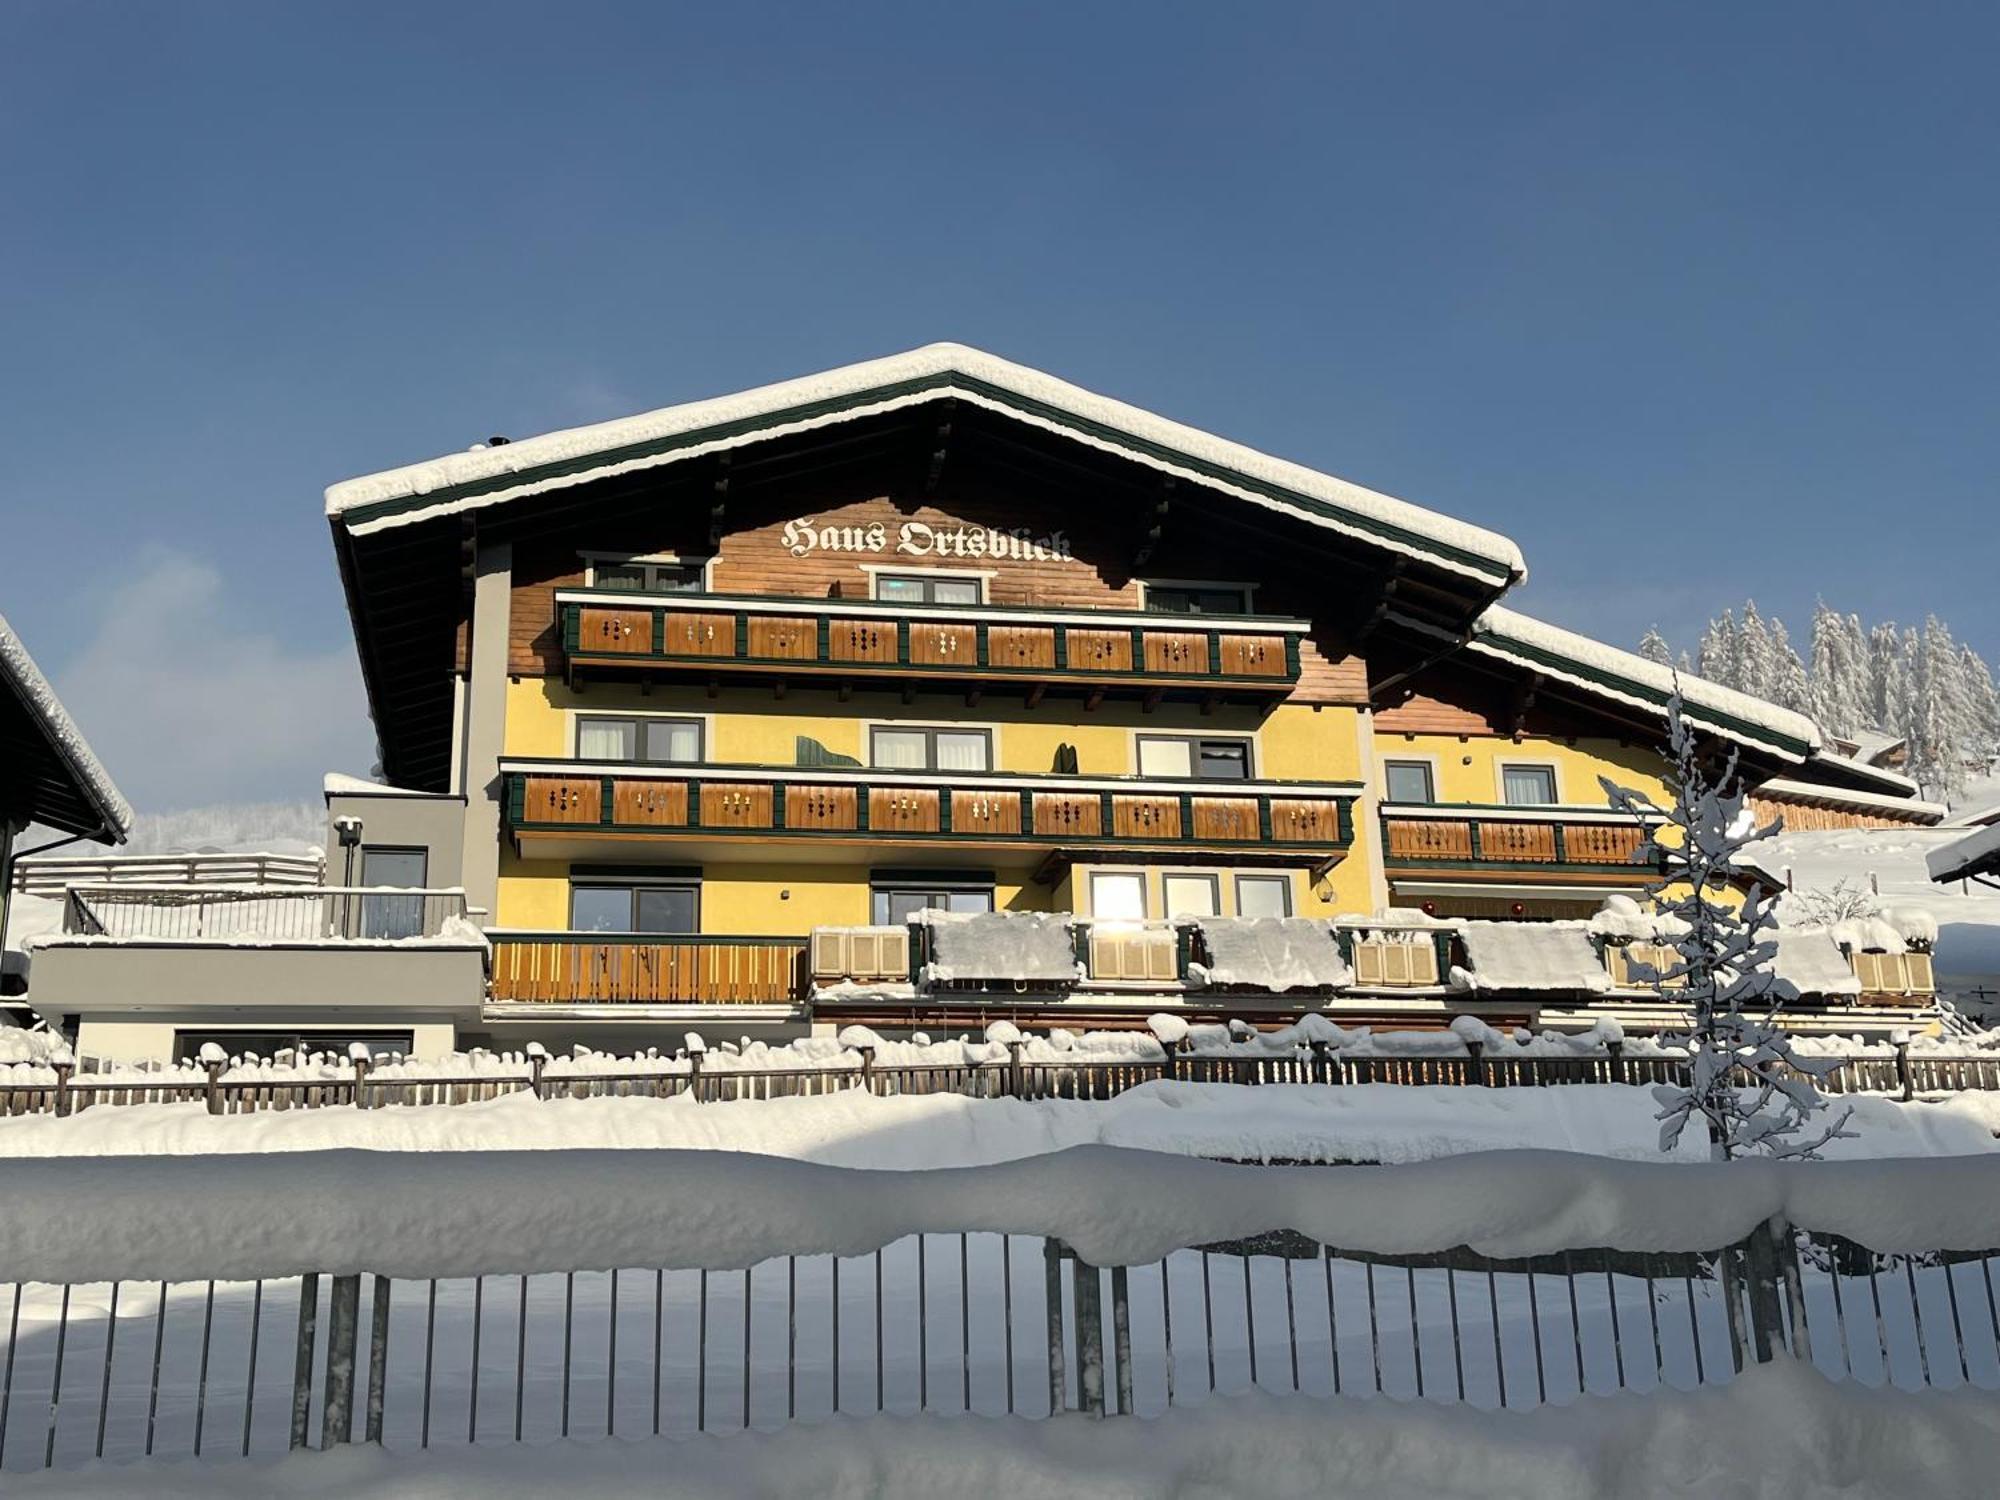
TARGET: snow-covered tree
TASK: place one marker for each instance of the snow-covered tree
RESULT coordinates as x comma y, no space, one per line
1722,973
1653,646
1715,657
1788,686
1756,656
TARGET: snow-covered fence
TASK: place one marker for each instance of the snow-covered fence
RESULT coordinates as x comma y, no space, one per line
159,1311
257,914
1007,1064
49,875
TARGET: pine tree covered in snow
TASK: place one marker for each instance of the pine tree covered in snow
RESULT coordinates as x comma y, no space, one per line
1722,973
1920,686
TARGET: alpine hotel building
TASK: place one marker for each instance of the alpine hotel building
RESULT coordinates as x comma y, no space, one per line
705,708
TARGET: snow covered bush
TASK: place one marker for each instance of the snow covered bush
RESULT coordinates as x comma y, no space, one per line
1722,974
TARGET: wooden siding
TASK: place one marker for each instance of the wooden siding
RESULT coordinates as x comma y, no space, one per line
751,558
639,971
1801,817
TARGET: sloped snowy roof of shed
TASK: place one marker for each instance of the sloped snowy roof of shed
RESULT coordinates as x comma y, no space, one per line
1809,962
1632,679
86,776
1975,854
489,476
1533,956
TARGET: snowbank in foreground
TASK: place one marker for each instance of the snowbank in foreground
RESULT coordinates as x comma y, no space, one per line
1278,1122
1777,1433
428,1214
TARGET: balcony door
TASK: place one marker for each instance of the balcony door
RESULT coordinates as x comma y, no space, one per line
385,916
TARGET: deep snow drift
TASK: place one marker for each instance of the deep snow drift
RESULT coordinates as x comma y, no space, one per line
1778,1432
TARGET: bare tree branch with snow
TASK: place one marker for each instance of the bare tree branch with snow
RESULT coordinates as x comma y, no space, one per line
1723,974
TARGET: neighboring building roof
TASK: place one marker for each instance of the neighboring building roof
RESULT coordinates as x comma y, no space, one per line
1903,805
48,774
512,471
1869,746
1628,678
1978,817
1974,855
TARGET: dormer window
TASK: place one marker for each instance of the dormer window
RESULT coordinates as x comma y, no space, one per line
928,588
649,576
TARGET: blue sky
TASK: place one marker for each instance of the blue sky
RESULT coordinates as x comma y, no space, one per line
1694,302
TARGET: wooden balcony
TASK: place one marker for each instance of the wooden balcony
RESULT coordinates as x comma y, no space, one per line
1569,844
593,968
852,641
565,803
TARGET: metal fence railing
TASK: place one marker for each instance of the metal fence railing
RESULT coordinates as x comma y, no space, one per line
188,913
985,1323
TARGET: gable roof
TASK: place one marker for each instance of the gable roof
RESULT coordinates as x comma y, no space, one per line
47,771
510,472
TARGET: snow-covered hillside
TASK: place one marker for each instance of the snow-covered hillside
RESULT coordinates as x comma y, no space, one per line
1891,861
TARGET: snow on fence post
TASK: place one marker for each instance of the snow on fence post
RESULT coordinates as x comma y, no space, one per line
360,1058
213,1060
1014,1068
302,1363
1087,1281
538,1058
62,1089
342,1323
1614,1048
1900,1040
1121,1338
867,1067
1475,1069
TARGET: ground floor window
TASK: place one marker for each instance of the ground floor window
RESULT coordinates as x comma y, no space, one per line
267,1044
638,904
894,902
1193,895
1118,895
1263,896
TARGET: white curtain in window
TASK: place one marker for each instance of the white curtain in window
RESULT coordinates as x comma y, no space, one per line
898,749
1527,785
606,739
678,741
1166,758
961,752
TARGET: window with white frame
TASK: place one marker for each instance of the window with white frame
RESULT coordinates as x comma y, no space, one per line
1192,895
666,576
1203,758
1118,895
1198,598
657,739
1409,781
929,588
1263,896
925,748
1528,786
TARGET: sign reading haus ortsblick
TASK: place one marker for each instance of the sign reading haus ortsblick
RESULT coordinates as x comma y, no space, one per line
804,537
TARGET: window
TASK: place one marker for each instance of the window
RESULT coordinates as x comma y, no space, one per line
1118,895
1202,759
659,740
899,749
894,903
637,905
1409,781
1193,896
393,916
928,588
1197,599
651,577
1263,896
1527,786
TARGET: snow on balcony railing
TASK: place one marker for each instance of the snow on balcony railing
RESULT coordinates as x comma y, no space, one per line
261,915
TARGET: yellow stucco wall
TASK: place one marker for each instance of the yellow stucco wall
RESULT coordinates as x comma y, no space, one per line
1467,769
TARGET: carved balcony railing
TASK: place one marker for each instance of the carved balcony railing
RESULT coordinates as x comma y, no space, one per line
1511,840
1296,822
775,637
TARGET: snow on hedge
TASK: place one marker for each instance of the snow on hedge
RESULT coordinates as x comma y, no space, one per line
1022,947
1273,954
428,1214
1538,957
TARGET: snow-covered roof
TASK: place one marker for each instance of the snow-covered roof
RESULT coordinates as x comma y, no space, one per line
1275,954
1870,745
339,784
1809,963
1531,956
1908,806
87,775
1631,679
490,476
1975,854
1021,947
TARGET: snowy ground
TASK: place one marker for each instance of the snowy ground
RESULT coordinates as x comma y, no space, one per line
1369,1122
1968,950
1776,1432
